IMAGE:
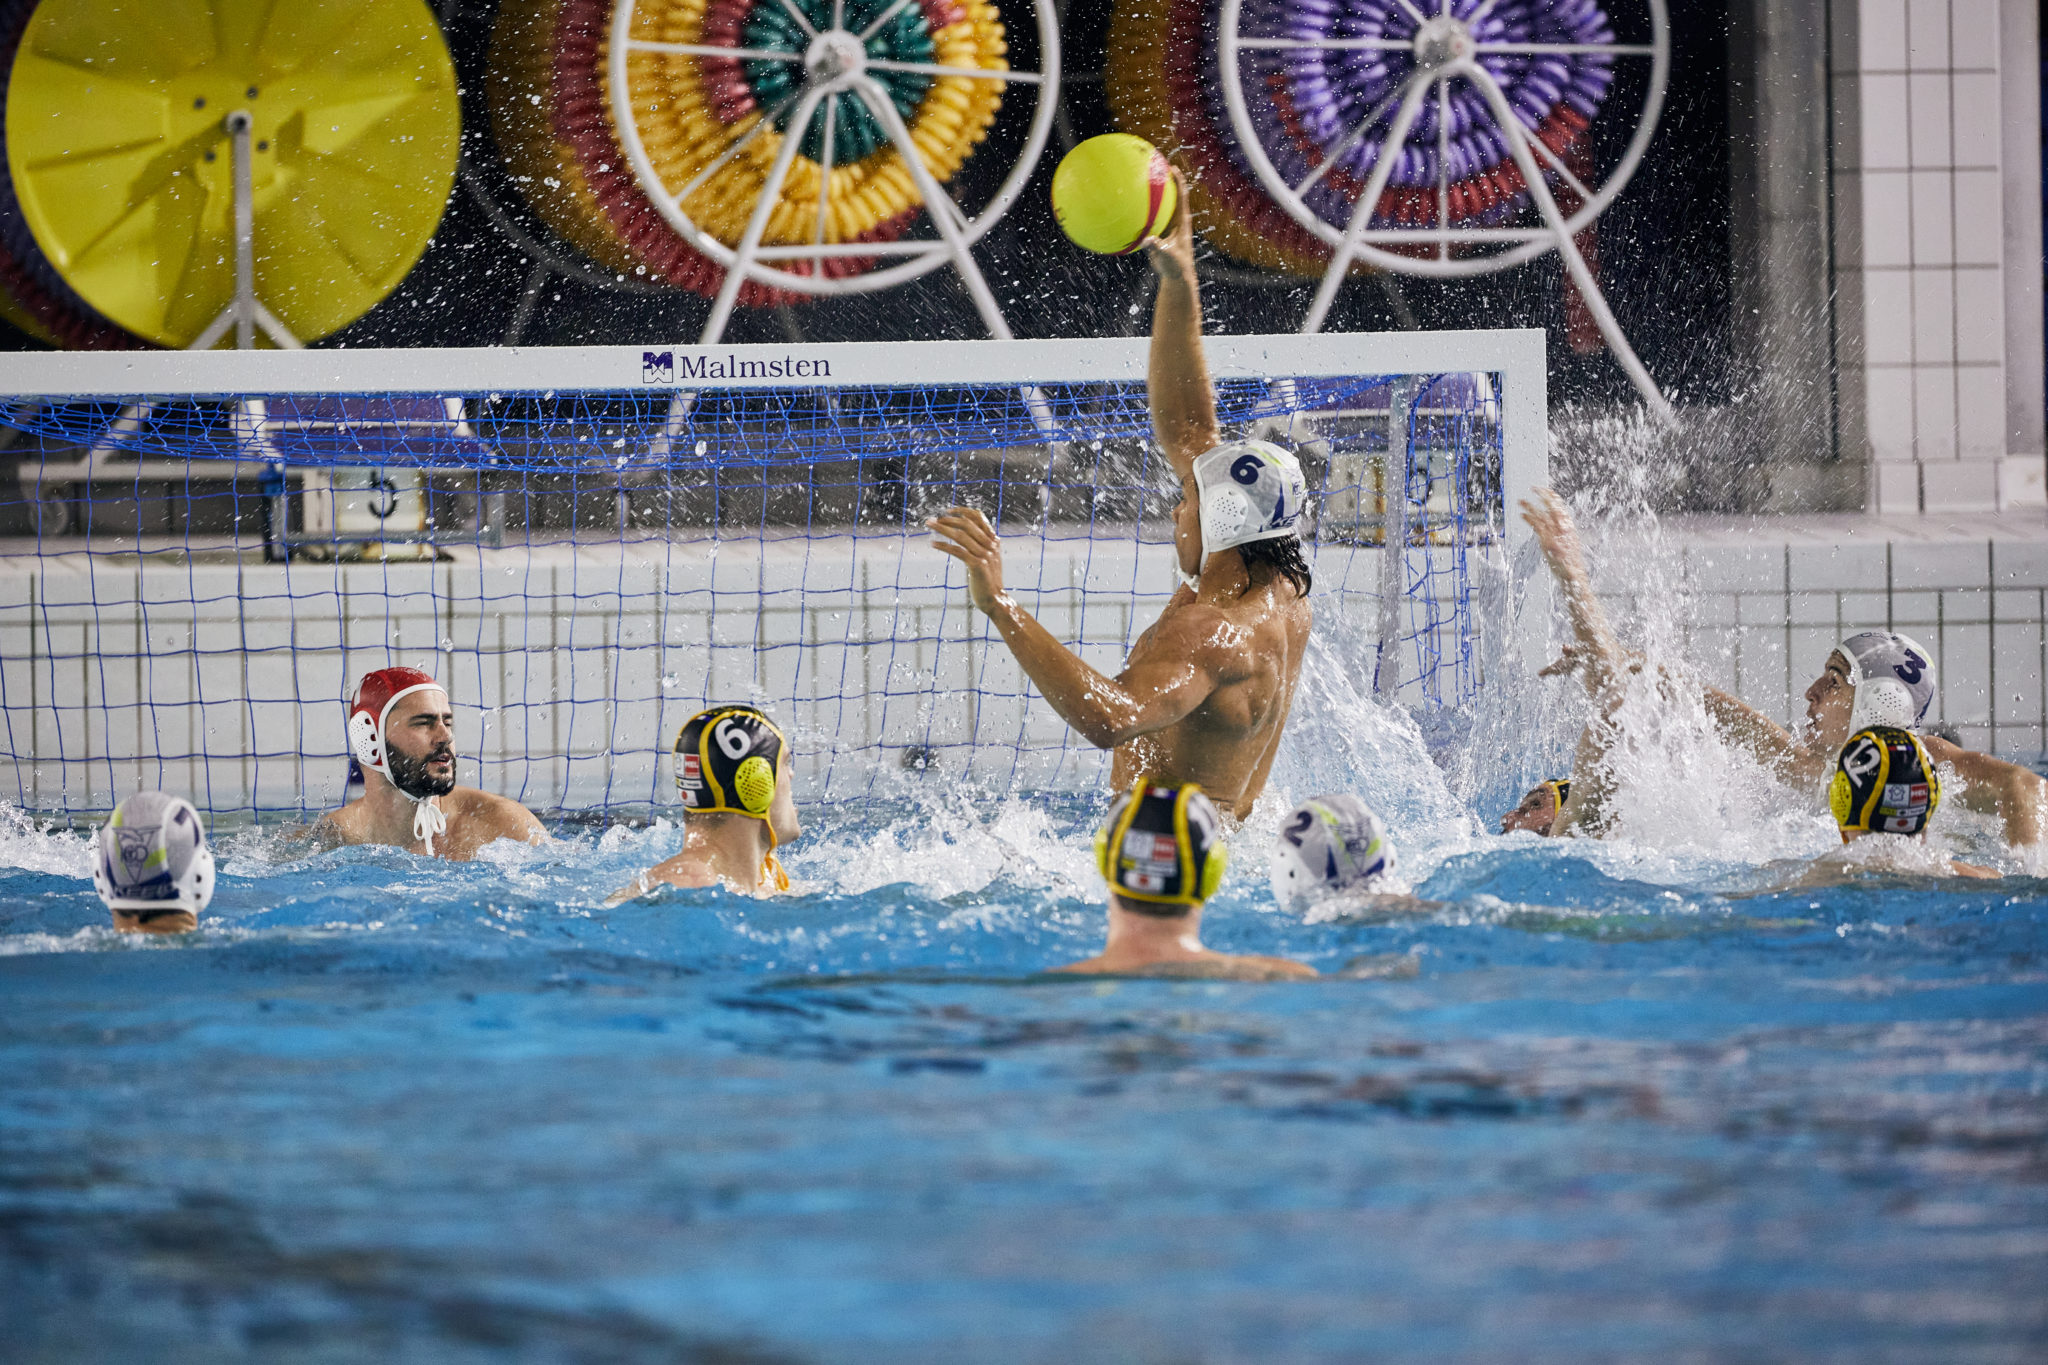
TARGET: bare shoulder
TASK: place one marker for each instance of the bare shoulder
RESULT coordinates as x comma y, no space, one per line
504,817
684,869
331,830
1256,967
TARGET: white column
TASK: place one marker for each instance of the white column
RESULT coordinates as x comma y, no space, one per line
1925,239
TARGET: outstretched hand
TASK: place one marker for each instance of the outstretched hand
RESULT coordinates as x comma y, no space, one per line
966,534
1173,255
1557,535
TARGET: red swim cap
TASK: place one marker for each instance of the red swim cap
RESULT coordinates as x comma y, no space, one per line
376,696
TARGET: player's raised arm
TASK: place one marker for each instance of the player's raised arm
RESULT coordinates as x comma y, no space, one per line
1174,669
1183,399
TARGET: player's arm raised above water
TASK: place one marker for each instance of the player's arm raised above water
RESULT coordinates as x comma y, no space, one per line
1993,786
1191,652
1177,376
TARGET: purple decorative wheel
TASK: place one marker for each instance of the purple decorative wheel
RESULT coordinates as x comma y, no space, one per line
1317,91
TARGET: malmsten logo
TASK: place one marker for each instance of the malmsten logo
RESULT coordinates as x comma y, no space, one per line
666,367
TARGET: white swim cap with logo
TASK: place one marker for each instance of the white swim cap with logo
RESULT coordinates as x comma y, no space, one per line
1250,490
1893,677
152,855
1329,844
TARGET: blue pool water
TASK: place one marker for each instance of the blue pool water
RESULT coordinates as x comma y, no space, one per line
1616,1101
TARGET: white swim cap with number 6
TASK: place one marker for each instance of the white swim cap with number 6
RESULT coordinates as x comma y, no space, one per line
1251,490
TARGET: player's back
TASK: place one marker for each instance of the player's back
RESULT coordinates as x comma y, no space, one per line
1227,743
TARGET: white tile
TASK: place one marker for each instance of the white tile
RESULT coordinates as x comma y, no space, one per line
2022,566
1973,35
1934,241
1896,487
1934,418
1979,218
1980,411
1887,219
2022,482
1961,485
1927,111
1975,115
1934,317
2017,647
1980,316
1888,318
1927,34
1881,30
1918,565
1883,144
1890,405
1846,564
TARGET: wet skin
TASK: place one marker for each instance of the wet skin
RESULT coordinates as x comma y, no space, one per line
420,734
1206,691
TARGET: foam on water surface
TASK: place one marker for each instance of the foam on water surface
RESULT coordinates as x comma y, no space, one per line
1715,1088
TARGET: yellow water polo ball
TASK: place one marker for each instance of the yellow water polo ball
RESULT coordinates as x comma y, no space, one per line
755,783
1112,192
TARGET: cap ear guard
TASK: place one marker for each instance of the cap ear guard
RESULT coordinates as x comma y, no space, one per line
1213,868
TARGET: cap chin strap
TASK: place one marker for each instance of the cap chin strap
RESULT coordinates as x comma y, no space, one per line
771,866
429,821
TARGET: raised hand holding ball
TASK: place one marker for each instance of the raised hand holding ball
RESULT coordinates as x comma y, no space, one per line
1112,192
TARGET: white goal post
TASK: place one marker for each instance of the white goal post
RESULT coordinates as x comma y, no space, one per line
178,660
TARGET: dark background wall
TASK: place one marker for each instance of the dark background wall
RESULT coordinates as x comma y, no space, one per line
1664,251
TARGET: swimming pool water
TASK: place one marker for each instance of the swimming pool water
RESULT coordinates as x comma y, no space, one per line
1609,1102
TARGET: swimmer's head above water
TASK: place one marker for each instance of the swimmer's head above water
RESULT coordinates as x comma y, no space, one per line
1161,850
1329,845
1884,783
732,760
1250,496
152,867
1874,677
401,728
1539,807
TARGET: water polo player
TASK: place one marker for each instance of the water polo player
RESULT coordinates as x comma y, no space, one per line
1874,677
1538,808
1885,783
1329,845
401,729
1206,691
1161,851
733,775
151,865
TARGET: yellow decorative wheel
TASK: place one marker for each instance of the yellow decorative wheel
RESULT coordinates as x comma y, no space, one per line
117,151
800,143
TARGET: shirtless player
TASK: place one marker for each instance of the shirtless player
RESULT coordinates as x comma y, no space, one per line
1206,691
401,728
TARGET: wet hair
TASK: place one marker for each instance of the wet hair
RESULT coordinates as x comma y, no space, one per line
1282,555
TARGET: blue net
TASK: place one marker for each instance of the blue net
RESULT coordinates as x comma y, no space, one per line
195,585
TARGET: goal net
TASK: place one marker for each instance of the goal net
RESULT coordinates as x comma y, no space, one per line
203,552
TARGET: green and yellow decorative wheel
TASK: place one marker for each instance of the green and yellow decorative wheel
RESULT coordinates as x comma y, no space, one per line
808,145
123,170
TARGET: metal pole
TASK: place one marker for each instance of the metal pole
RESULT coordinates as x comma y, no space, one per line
238,124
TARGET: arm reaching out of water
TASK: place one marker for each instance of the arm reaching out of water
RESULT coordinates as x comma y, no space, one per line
1177,378
1993,786
1173,669
1594,654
